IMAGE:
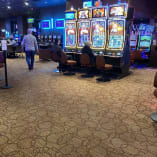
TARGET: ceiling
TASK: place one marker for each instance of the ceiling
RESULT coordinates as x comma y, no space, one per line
18,7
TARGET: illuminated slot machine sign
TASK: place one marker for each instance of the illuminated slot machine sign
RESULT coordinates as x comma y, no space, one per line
98,28
145,36
83,27
133,39
145,41
116,34
118,11
70,29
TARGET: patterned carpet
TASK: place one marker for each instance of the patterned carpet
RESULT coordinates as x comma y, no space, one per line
47,114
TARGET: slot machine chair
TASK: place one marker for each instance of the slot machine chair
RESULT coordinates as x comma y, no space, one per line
154,115
85,63
69,64
45,54
11,51
103,68
132,58
54,57
19,51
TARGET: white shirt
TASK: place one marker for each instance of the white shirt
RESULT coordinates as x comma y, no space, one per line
30,43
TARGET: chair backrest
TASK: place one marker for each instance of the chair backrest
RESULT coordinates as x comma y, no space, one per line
55,57
9,48
155,80
100,62
63,58
84,60
132,56
18,49
138,55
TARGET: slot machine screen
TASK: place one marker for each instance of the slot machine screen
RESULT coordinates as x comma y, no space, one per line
60,23
145,41
133,43
98,34
116,34
146,37
84,33
87,4
117,11
70,16
145,44
99,12
83,14
45,24
70,30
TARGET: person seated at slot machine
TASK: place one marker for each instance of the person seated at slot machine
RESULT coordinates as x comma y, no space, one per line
87,50
58,50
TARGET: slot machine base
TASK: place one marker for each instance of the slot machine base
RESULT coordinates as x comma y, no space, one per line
120,69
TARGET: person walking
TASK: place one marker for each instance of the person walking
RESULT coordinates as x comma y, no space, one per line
29,46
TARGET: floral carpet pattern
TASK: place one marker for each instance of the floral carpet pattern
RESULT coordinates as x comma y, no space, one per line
47,114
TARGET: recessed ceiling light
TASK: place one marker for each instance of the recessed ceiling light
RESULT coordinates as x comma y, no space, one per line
26,3
9,7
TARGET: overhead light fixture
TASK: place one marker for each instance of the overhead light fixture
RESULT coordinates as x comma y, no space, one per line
26,3
9,7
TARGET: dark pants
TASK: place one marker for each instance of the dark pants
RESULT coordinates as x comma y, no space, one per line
30,59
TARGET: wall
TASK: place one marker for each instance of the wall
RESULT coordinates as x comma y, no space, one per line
2,26
56,12
18,20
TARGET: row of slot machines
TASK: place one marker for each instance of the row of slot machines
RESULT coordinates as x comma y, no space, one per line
141,38
50,39
106,27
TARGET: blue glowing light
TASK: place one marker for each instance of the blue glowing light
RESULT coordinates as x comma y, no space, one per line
60,23
45,24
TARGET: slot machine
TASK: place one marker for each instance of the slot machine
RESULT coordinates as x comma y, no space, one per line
70,31
54,38
46,38
98,29
134,38
50,38
84,31
118,46
42,38
145,40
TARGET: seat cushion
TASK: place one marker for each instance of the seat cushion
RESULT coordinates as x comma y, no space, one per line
71,62
155,93
108,66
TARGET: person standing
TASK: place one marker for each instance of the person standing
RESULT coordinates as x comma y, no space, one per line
29,44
